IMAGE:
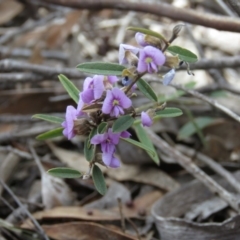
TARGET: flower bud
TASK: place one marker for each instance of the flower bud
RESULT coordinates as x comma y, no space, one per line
172,62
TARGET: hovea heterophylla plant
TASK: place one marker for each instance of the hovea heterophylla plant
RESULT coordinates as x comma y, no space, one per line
104,110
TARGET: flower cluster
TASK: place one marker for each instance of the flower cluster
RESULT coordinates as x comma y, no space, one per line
102,101
98,100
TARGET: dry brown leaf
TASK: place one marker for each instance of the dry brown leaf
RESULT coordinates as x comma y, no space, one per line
9,9
55,192
146,175
84,231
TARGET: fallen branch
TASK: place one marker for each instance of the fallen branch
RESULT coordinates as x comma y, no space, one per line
159,9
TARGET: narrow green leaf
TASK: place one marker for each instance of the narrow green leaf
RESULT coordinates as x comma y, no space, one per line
69,87
183,54
189,129
103,68
140,145
62,172
148,32
102,127
57,132
147,90
169,112
218,94
144,139
123,123
89,150
99,180
49,118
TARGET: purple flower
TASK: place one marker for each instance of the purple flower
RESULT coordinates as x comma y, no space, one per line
115,101
140,39
149,59
68,124
112,79
122,50
80,106
146,120
168,77
108,142
92,88
110,160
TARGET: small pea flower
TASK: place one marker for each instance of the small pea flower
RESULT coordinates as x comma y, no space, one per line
127,54
168,77
145,40
146,119
108,142
149,59
92,88
68,124
115,102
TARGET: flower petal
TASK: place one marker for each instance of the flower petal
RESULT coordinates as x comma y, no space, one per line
157,56
108,103
124,101
68,124
98,86
87,95
168,77
112,79
125,134
122,49
107,158
98,138
146,120
87,83
140,39
142,65
114,137
115,163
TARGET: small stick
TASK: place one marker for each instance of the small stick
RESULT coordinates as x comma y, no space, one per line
121,214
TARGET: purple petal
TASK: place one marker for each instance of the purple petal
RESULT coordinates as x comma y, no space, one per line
68,124
114,137
87,95
115,163
157,56
146,120
142,65
115,111
168,77
112,79
124,101
140,39
108,103
107,158
122,49
87,82
99,138
107,147
80,106
125,134
98,86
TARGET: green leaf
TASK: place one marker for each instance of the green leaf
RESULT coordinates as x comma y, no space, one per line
183,54
123,123
99,180
89,150
92,133
57,132
49,118
148,32
102,68
62,172
189,129
102,127
143,138
69,87
147,90
218,94
140,145
169,112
